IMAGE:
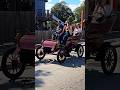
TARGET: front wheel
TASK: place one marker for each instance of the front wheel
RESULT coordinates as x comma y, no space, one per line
108,59
61,56
40,54
11,64
80,50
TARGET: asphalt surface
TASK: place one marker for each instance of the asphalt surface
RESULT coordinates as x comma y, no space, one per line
25,82
50,75
96,80
69,76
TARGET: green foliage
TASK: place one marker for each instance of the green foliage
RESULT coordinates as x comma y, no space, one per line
70,19
77,12
53,24
62,11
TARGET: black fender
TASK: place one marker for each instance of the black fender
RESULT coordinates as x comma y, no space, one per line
101,50
27,56
106,44
10,49
38,45
77,47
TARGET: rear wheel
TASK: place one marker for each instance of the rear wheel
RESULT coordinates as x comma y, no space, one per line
11,64
108,59
61,56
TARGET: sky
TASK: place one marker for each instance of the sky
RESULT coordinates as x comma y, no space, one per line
70,3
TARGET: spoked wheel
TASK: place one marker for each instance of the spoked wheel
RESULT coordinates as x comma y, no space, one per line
11,64
61,56
80,51
108,59
40,54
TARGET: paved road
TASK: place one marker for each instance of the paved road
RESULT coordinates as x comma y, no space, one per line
97,80
25,82
52,76
49,76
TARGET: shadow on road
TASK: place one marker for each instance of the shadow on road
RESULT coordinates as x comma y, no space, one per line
42,73
38,74
73,61
38,82
99,81
23,83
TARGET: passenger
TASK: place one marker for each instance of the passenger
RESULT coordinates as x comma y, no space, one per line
77,30
64,34
100,17
60,26
71,29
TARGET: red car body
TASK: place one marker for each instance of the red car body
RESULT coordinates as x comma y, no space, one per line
27,42
49,43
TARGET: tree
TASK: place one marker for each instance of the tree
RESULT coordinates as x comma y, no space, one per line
62,11
70,19
77,12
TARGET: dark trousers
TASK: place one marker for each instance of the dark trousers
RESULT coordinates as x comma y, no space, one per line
63,38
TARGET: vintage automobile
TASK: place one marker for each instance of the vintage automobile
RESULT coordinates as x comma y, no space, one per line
51,46
16,58
99,45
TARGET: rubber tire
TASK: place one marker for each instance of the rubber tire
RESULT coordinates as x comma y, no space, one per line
3,65
38,55
103,63
78,50
61,62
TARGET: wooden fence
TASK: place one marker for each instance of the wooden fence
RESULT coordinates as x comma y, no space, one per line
42,35
13,21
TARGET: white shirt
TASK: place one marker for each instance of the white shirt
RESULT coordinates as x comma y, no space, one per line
76,31
80,30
